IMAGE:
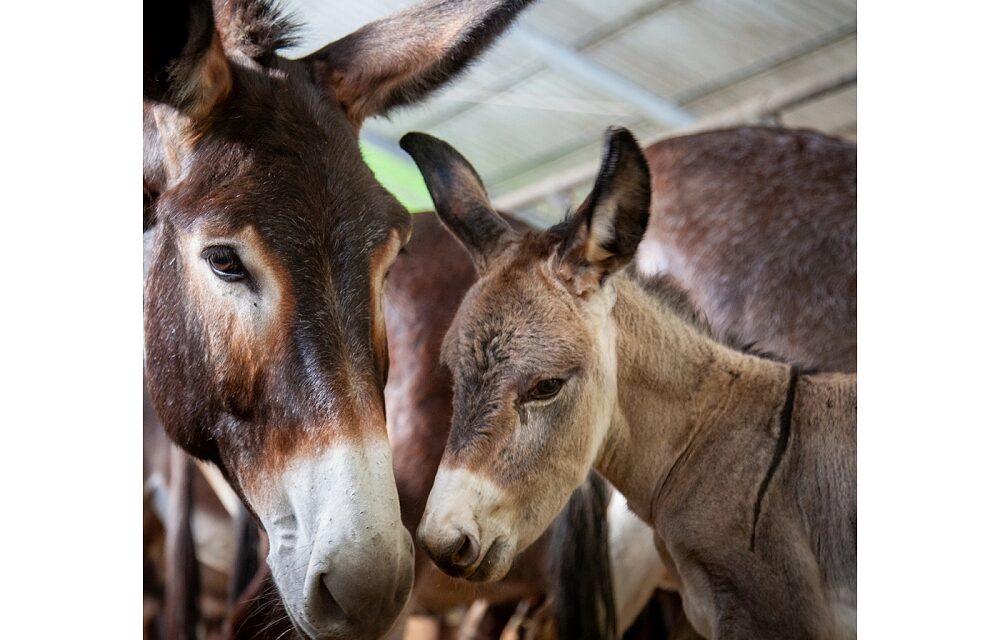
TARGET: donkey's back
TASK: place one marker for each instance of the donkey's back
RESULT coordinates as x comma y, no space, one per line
760,225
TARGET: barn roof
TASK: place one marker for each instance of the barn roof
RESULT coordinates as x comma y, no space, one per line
531,113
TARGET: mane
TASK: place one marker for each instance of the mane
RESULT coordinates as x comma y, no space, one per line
666,290
256,28
677,300
662,287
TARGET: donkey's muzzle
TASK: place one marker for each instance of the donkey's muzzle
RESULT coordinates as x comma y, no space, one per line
341,558
359,593
455,551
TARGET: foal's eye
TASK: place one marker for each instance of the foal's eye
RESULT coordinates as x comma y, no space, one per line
225,263
546,389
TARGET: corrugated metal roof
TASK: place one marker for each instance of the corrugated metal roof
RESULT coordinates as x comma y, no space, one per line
521,119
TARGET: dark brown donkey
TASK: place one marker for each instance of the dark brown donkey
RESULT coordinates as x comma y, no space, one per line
564,360
759,225
267,243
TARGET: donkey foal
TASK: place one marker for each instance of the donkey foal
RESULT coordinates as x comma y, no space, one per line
564,360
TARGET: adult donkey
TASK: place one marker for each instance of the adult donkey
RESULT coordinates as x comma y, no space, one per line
563,360
267,243
759,225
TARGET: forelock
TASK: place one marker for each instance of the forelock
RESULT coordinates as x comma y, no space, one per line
256,28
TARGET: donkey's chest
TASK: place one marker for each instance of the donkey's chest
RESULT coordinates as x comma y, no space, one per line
772,587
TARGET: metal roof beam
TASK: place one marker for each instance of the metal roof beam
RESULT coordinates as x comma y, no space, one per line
575,65
747,112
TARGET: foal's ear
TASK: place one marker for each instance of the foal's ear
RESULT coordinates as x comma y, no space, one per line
604,233
183,63
459,197
400,59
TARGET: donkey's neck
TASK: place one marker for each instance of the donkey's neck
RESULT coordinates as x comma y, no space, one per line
678,389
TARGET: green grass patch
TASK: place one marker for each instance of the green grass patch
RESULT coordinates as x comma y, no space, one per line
401,178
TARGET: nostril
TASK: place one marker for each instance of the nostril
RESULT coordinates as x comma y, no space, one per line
467,551
325,608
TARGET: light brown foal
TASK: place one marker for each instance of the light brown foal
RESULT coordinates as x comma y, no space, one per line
563,359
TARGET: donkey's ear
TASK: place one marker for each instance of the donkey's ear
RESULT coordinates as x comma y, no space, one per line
459,197
604,233
183,63
400,59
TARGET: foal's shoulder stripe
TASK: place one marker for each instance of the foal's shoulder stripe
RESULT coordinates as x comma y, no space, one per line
779,449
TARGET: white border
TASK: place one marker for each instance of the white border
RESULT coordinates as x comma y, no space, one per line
929,509
71,339
71,335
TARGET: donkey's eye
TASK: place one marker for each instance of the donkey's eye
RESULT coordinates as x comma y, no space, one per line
225,263
546,389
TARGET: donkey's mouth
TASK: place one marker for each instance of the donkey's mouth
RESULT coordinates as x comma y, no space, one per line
494,564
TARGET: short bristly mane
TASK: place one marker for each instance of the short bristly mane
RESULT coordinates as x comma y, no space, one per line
666,290
257,28
663,288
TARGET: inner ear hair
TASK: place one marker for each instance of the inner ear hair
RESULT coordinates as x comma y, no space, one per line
605,231
186,74
184,65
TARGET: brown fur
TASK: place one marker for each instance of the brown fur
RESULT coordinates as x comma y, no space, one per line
259,155
409,62
693,454
418,403
760,225
241,141
746,472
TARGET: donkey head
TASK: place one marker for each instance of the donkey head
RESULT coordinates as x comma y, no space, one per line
267,244
532,353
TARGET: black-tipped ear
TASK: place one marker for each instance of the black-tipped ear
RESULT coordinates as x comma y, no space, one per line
605,231
459,197
400,59
183,64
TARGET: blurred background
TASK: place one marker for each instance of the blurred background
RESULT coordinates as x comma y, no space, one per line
530,115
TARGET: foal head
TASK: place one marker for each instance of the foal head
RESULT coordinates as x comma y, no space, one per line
268,241
532,353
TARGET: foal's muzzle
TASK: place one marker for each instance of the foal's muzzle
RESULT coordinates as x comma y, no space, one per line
464,531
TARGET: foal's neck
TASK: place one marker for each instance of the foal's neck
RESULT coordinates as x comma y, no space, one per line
676,387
